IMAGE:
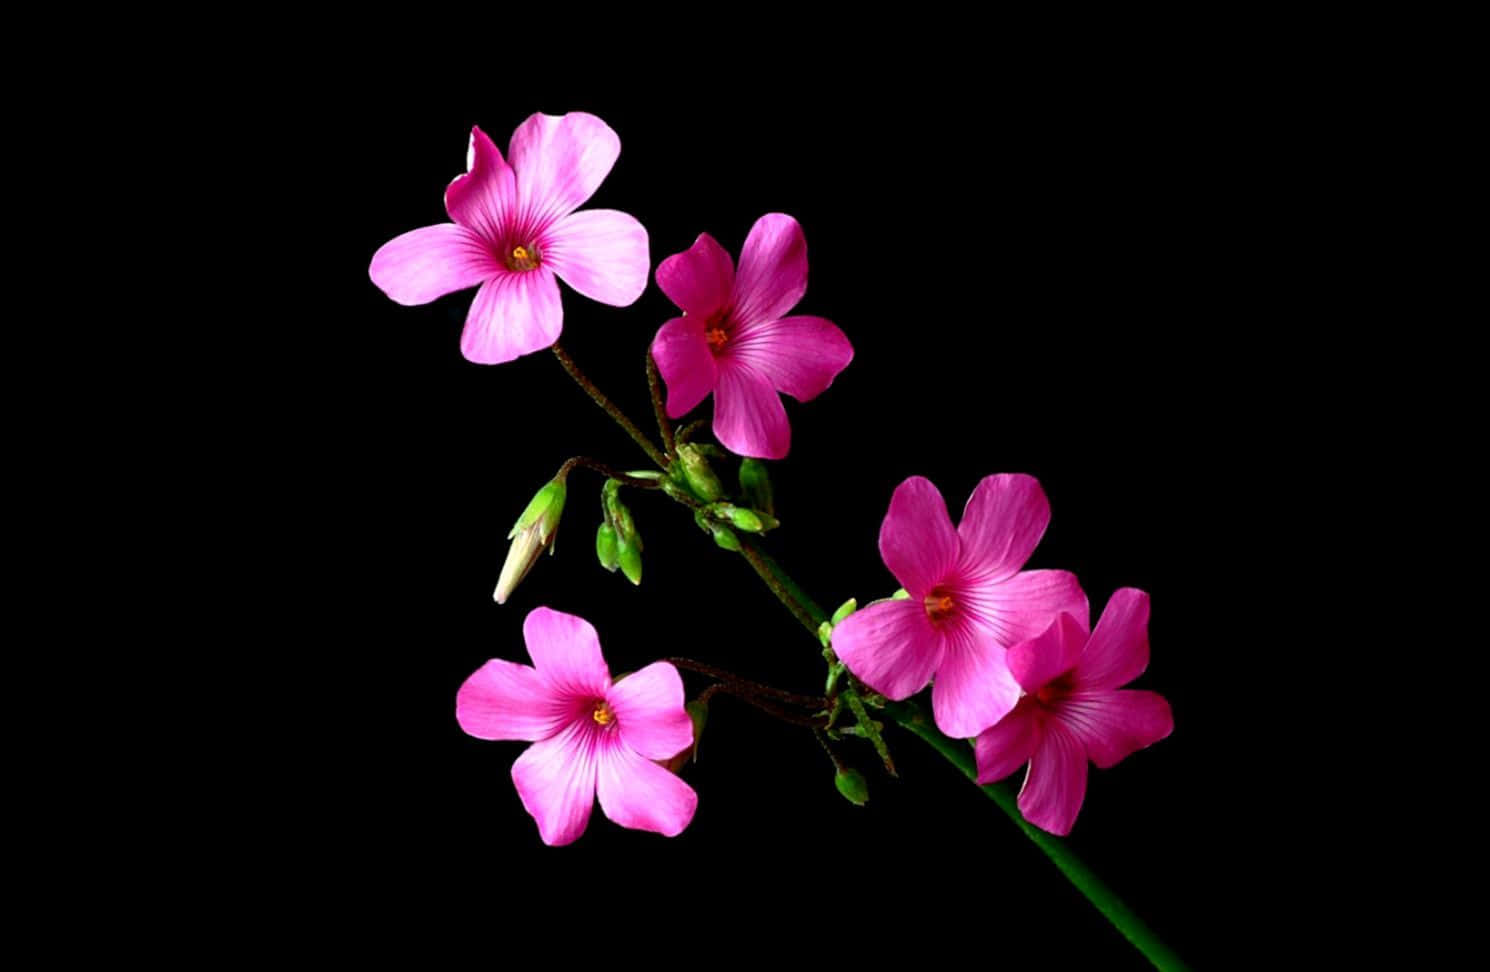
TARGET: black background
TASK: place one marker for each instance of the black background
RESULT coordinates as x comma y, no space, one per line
1065,285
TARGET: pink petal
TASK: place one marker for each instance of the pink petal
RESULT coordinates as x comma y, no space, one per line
555,780
1023,606
749,419
566,651
1056,783
1040,660
505,700
637,793
801,355
699,279
560,161
917,541
1114,725
685,363
485,198
973,688
1001,525
1118,651
890,646
649,711
773,270
513,314
601,253
430,262
1007,745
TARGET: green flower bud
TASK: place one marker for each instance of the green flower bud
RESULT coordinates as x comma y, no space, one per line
630,557
747,520
900,595
698,475
755,485
845,609
825,634
606,547
851,784
532,534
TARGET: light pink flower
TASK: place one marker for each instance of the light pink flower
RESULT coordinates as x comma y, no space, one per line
589,736
732,339
515,230
968,600
1074,710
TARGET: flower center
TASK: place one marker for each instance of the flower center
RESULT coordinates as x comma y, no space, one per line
716,330
602,714
939,604
523,257
1056,689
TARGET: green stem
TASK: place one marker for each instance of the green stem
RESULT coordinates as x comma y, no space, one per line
960,754
609,407
787,592
654,384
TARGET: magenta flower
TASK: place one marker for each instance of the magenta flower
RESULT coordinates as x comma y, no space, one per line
1074,709
968,601
515,230
732,339
589,736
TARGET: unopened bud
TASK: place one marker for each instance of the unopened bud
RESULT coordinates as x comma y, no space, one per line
629,555
606,547
747,520
698,474
845,609
755,485
530,536
851,784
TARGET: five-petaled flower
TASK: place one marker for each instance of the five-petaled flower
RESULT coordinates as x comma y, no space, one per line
1075,708
515,229
969,600
590,736
732,339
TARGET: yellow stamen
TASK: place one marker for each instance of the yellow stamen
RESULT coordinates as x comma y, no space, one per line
520,253
939,605
716,337
602,714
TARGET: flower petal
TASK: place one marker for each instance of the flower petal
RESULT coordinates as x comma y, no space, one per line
699,279
485,198
430,262
1056,782
801,355
566,651
1023,606
890,646
1114,725
555,780
685,363
1002,523
601,253
560,161
1006,745
973,688
773,270
513,314
1118,651
1047,656
749,419
505,700
649,711
637,793
917,541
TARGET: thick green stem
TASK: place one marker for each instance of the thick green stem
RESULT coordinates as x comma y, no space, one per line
787,592
609,407
959,754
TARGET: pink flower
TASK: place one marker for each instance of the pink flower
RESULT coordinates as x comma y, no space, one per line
968,600
732,339
589,736
1074,711
515,230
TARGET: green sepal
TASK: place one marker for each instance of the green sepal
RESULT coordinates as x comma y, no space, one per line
755,486
852,785
607,547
